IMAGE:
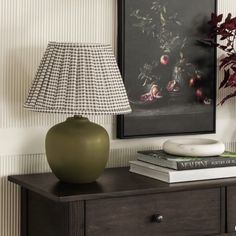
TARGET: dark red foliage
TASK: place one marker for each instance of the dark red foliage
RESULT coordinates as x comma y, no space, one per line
226,30
231,82
215,19
229,24
228,18
223,47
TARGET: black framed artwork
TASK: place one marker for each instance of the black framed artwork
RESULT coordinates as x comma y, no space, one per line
169,74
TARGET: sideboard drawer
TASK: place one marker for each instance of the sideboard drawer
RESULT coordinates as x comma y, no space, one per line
181,213
231,209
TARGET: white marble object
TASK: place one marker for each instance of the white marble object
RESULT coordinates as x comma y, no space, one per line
194,147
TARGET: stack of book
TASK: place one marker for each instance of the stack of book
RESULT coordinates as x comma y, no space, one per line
172,169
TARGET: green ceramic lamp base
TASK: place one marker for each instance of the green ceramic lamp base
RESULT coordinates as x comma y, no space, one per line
77,150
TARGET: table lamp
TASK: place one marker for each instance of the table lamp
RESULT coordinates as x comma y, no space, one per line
78,79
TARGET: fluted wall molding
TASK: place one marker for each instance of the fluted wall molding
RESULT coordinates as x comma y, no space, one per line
25,164
26,27
10,193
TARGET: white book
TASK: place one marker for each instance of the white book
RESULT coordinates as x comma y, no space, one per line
175,176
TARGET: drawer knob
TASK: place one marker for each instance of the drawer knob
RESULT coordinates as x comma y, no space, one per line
158,218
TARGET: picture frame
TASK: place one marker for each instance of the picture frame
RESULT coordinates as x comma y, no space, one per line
168,72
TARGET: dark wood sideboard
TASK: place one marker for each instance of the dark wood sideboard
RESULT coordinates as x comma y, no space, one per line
121,203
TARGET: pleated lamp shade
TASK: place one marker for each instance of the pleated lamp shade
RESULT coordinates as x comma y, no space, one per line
78,79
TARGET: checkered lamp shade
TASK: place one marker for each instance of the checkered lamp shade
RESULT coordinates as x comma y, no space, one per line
78,79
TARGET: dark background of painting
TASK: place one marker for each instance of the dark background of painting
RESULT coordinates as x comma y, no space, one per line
137,49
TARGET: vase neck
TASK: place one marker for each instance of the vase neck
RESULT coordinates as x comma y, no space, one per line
77,118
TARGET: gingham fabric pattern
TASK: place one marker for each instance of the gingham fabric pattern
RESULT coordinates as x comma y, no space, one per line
78,79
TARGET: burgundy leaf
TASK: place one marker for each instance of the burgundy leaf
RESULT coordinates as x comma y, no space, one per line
219,18
230,25
228,18
225,34
233,19
223,38
231,82
232,57
226,76
215,19
223,47
226,30
230,49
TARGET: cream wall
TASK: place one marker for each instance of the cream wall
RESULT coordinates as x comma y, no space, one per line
26,26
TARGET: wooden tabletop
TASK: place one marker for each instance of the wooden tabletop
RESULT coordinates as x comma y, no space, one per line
114,182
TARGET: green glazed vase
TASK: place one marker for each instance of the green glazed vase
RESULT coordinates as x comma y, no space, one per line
77,150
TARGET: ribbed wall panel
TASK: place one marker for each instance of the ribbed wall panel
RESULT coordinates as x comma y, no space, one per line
121,157
10,194
26,27
225,7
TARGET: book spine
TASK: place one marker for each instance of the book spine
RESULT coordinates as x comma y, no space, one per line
201,164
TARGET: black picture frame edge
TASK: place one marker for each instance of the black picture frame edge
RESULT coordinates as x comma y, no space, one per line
120,52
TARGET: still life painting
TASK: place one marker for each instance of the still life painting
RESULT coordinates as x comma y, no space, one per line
168,73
